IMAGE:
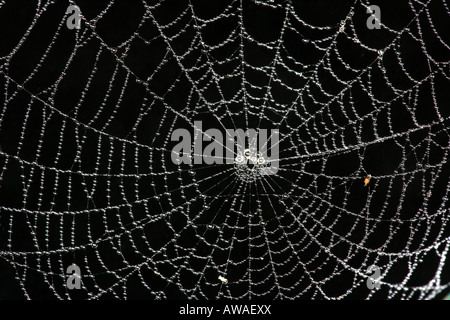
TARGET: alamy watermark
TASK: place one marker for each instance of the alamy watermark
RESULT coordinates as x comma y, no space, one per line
73,277
74,20
373,281
245,149
374,20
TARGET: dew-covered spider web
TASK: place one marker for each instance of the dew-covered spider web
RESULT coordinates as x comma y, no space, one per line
86,175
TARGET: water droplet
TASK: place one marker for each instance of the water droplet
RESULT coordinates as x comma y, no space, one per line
223,279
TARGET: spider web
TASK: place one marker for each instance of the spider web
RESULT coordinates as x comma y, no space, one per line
86,174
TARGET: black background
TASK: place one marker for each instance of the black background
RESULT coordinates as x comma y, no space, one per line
261,22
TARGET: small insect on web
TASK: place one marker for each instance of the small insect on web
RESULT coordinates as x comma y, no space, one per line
367,180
